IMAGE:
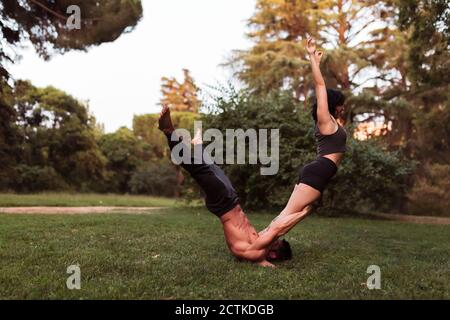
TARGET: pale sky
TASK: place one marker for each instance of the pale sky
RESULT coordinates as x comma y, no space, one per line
123,78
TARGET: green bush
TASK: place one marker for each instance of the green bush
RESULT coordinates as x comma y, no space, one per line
124,153
56,131
369,178
9,139
429,196
35,178
157,179
146,130
277,111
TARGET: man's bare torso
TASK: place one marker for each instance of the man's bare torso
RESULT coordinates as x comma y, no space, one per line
239,233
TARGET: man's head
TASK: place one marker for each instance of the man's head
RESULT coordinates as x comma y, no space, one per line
280,251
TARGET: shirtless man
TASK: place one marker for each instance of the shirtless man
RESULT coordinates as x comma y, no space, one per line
221,199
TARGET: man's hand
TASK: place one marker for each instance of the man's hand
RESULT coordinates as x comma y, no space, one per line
312,50
266,264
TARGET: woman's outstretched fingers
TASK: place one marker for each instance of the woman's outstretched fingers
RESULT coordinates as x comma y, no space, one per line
310,45
318,56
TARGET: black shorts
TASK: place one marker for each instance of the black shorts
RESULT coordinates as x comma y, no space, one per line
318,173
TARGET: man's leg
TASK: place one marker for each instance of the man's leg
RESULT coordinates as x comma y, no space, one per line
220,196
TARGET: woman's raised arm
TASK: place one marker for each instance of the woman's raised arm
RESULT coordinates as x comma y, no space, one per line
324,120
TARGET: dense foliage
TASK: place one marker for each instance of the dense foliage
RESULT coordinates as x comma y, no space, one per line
371,178
50,141
53,136
390,57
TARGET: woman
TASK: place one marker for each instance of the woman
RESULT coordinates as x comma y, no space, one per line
314,177
331,140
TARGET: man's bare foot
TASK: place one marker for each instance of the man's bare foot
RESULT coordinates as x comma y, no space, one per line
266,264
165,121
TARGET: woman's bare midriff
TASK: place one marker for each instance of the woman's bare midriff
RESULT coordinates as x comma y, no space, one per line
335,157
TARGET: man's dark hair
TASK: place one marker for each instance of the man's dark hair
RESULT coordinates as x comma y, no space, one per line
284,252
335,99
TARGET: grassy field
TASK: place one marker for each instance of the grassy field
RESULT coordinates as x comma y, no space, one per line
79,200
179,253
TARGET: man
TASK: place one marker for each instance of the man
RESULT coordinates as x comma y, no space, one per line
221,199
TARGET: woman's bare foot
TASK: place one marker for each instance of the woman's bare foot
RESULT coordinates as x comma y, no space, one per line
165,121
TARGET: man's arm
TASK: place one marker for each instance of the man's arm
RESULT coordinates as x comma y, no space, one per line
257,251
278,228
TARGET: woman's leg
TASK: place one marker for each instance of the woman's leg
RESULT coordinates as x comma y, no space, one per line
296,209
302,196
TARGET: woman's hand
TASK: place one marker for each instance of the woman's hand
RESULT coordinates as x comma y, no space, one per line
312,50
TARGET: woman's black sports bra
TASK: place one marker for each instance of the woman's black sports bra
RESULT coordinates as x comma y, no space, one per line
333,143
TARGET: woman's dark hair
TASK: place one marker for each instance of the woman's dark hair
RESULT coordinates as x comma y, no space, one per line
335,99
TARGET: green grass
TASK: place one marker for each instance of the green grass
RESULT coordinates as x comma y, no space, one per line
80,200
180,253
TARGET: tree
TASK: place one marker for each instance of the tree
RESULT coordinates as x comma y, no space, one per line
145,127
125,153
429,22
56,131
429,140
44,24
367,55
9,139
278,56
356,35
428,25
157,178
180,96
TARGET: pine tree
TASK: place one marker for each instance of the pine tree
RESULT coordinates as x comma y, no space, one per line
180,96
278,57
44,24
357,36
428,59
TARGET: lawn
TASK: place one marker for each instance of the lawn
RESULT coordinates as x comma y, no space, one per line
80,200
179,253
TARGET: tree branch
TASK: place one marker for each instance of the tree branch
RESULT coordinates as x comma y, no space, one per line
353,35
56,14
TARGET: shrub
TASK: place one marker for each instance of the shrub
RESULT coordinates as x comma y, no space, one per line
35,178
429,195
124,153
158,179
369,178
